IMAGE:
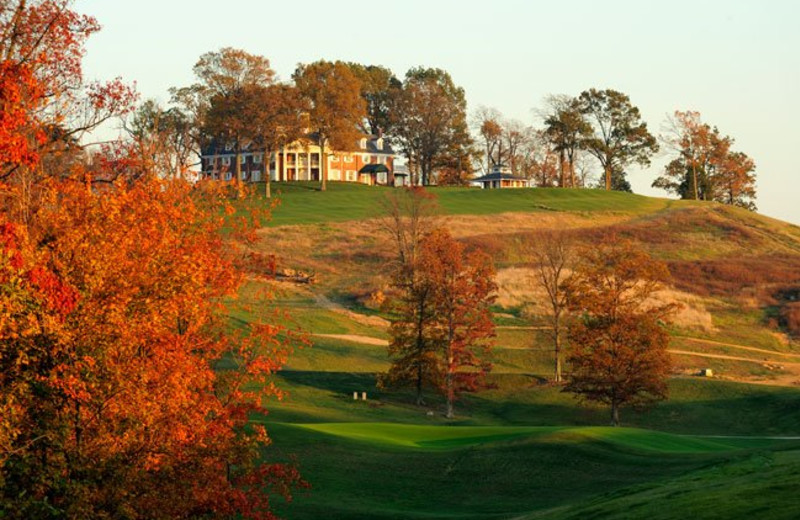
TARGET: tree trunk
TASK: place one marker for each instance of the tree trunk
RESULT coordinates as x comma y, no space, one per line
238,171
562,170
267,174
571,171
614,413
420,400
450,365
608,178
420,348
449,381
557,345
323,173
694,181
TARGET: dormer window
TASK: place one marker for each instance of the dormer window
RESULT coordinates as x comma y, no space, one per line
363,143
379,143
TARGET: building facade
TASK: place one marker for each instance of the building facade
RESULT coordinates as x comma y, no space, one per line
302,162
500,177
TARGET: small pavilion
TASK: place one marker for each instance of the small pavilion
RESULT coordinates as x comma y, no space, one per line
500,177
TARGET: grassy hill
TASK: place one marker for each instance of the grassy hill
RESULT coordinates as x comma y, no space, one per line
525,449
303,203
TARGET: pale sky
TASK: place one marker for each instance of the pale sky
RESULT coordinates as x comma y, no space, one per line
737,62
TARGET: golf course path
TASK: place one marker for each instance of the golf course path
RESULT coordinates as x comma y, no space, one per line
355,338
740,347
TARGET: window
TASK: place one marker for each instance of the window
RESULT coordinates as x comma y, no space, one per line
363,143
351,175
242,159
334,175
348,158
228,176
226,161
257,158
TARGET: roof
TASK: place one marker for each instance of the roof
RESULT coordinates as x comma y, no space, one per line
374,168
499,176
215,147
372,145
401,170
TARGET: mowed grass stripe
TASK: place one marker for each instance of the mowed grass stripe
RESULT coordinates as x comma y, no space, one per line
452,437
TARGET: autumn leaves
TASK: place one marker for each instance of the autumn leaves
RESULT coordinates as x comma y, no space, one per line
124,391
599,302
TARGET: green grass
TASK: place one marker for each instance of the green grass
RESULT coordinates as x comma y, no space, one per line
406,471
427,437
523,449
303,203
762,485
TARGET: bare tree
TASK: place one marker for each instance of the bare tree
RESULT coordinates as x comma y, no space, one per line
409,215
553,253
538,161
514,137
487,123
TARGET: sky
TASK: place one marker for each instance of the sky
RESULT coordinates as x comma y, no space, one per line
736,62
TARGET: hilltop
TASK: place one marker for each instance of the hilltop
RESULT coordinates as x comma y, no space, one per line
525,445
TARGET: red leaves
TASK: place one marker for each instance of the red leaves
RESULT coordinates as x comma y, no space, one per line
115,316
60,297
20,95
618,345
441,333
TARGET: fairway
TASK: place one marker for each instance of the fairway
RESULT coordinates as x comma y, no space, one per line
523,448
453,437
385,470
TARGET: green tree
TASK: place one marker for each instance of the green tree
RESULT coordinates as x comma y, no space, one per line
379,89
430,120
566,129
336,106
618,135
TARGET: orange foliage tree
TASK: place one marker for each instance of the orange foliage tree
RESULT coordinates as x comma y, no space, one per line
442,326
337,109
706,167
462,288
617,343
124,392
